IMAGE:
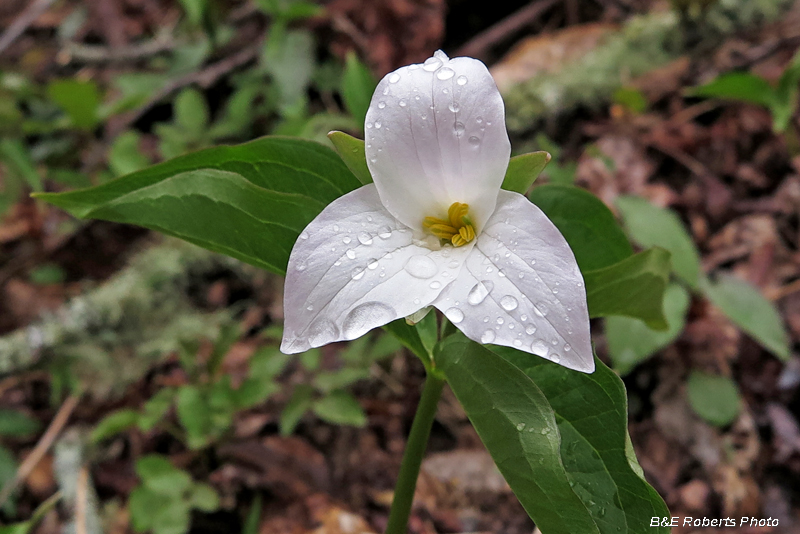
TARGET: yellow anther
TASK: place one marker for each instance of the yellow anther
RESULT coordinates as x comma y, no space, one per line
458,229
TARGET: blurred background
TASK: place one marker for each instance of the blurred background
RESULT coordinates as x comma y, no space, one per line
141,389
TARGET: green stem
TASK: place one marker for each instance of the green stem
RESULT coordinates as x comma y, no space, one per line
412,457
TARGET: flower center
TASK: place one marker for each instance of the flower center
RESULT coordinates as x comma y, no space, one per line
457,228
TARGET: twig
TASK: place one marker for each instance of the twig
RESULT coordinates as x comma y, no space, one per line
22,22
204,78
479,45
38,452
102,54
81,499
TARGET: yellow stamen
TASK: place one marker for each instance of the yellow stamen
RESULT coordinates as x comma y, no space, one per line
457,229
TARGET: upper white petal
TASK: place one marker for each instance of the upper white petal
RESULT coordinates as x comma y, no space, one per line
436,134
356,267
521,287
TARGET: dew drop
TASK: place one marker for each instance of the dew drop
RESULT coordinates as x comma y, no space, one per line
555,291
369,125
545,431
453,264
474,141
357,273
454,315
567,348
454,107
517,343
335,227
486,319
351,254
435,285
385,232
431,64
364,238
540,348
479,292
446,91
304,235
301,267
509,303
322,332
500,320
533,262
461,80
394,78
555,357
530,329
521,276
372,265
479,120
346,239
378,125
402,103
421,267
459,128
520,426
310,308
445,74
488,336
381,104
365,317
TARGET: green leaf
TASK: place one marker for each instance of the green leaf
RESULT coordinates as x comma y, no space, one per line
195,9
17,425
631,341
255,215
591,413
161,477
193,413
253,520
738,86
409,337
155,409
786,96
523,170
714,398
340,408
332,380
358,84
651,226
351,150
290,61
586,223
142,504
633,287
294,410
191,111
8,466
124,156
79,99
18,159
631,98
113,424
557,436
172,518
203,497
750,311
46,274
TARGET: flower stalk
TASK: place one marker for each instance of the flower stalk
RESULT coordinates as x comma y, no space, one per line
412,457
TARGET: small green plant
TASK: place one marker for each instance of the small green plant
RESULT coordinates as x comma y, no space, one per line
163,502
781,100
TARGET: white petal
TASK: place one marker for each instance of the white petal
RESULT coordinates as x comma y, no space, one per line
354,268
521,287
436,134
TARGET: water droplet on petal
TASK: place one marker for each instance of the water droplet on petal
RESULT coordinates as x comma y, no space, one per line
533,262
402,103
381,104
567,348
453,264
461,80
555,358
394,77
385,232
459,128
421,267
369,125
454,315
378,125
445,73
346,239
310,308
431,64
500,320
372,265
540,348
364,238
304,235
474,141
479,292
351,254
357,273
454,107
517,343
530,329
365,317
322,332
488,336
301,267
435,285
479,120
509,303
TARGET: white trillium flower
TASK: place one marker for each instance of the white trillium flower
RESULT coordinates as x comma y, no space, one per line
435,229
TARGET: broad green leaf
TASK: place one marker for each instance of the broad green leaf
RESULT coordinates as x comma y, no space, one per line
8,466
155,409
714,398
46,274
340,408
172,518
750,311
631,341
651,226
191,111
294,410
738,86
523,170
17,158
587,224
124,156
160,476
79,99
591,413
557,436
113,424
16,424
142,503
631,98
351,150
195,9
290,61
203,497
358,84
633,287
410,339
193,412
329,381
786,96
250,201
